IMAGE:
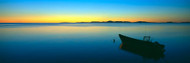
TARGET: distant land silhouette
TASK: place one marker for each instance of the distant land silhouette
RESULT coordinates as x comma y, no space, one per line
125,22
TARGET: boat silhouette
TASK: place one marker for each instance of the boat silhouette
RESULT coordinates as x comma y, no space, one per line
146,49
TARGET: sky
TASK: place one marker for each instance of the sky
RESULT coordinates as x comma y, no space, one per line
56,11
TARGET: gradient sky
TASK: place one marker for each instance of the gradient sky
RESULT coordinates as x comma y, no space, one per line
55,11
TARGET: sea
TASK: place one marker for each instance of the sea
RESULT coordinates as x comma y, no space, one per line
90,42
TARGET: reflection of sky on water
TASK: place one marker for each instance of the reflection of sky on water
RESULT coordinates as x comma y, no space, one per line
88,42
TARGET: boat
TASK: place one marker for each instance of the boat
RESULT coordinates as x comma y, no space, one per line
146,49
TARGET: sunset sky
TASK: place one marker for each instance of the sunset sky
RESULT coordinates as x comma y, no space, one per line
55,11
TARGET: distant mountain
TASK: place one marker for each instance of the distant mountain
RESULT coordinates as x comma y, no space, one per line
142,22
110,22
125,22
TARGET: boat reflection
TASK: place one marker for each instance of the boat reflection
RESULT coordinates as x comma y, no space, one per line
145,49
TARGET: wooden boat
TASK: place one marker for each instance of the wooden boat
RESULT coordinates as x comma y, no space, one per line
143,48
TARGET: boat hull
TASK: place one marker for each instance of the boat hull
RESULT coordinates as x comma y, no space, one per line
142,48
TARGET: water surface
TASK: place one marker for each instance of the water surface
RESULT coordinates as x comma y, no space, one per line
89,42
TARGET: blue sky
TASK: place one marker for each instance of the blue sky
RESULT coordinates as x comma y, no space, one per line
153,10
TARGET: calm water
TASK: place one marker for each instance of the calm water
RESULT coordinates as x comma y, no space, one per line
89,43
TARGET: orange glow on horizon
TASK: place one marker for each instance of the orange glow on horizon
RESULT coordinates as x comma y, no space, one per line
70,19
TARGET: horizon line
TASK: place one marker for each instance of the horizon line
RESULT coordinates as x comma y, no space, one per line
109,21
